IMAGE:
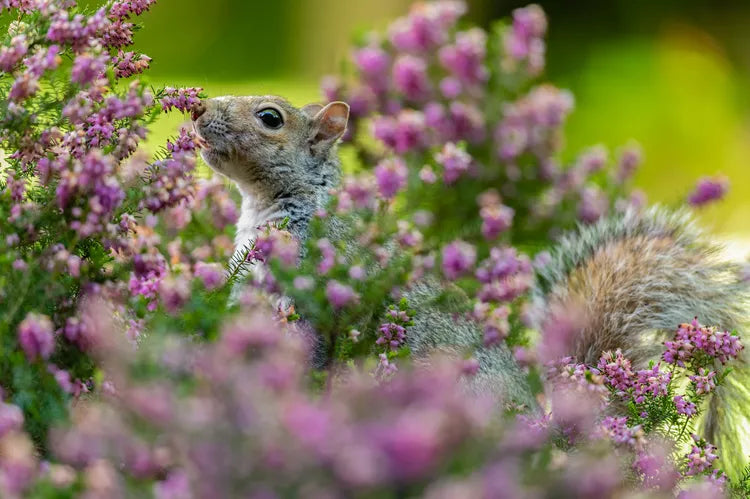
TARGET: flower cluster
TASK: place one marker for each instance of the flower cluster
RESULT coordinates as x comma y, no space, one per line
693,342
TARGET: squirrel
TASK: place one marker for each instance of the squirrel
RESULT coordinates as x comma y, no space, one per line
636,276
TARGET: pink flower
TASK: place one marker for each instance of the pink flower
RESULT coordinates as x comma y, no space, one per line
87,68
616,370
704,381
465,58
35,334
340,295
455,162
391,335
708,190
211,274
182,99
11,418
701,457
410,77
684,407
390,176
458,259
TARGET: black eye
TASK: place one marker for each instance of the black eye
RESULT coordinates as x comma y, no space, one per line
270,117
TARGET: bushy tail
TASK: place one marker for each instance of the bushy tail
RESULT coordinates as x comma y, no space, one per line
637,276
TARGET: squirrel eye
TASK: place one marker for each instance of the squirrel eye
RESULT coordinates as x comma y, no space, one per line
270,117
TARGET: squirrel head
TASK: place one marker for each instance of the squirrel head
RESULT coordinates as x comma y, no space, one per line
269,147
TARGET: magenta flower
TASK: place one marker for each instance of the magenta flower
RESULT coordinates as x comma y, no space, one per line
685,407
11,418
496,219
630,159
327,256
593,205
704,381
12,54
708,190
701,457
391,335
616,370
458,259
523,43
88,67
410,77
652,382
211,274
35,334
421,31
505,275
340,295
455,162
721,345
465,58
127,64
182,99
391,176
617,430
123,9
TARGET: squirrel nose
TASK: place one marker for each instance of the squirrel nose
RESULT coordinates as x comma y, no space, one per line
198,110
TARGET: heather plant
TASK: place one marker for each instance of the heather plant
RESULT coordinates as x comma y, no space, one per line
169,369
72,189
178,418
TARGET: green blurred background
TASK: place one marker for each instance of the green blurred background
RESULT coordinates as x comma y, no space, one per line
672,74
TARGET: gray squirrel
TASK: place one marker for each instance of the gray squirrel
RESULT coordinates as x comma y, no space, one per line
636,276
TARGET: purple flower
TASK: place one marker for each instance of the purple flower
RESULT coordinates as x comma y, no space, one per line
450,87
721,345
708,190
211,274
123,9
617,430
630,159
455,162
505,275
88,67
35,334
616,370
421,31
531,123
390,176
182,99
593,204
653,382
340,295
391,335
701,457
11,54
327,256
685,407
11,418
523,43
458,259
496,219
465,58
704,381
127,64
410,77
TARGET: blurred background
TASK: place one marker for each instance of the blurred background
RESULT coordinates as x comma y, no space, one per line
673,75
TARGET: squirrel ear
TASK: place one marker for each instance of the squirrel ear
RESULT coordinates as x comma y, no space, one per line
329,124
311,109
